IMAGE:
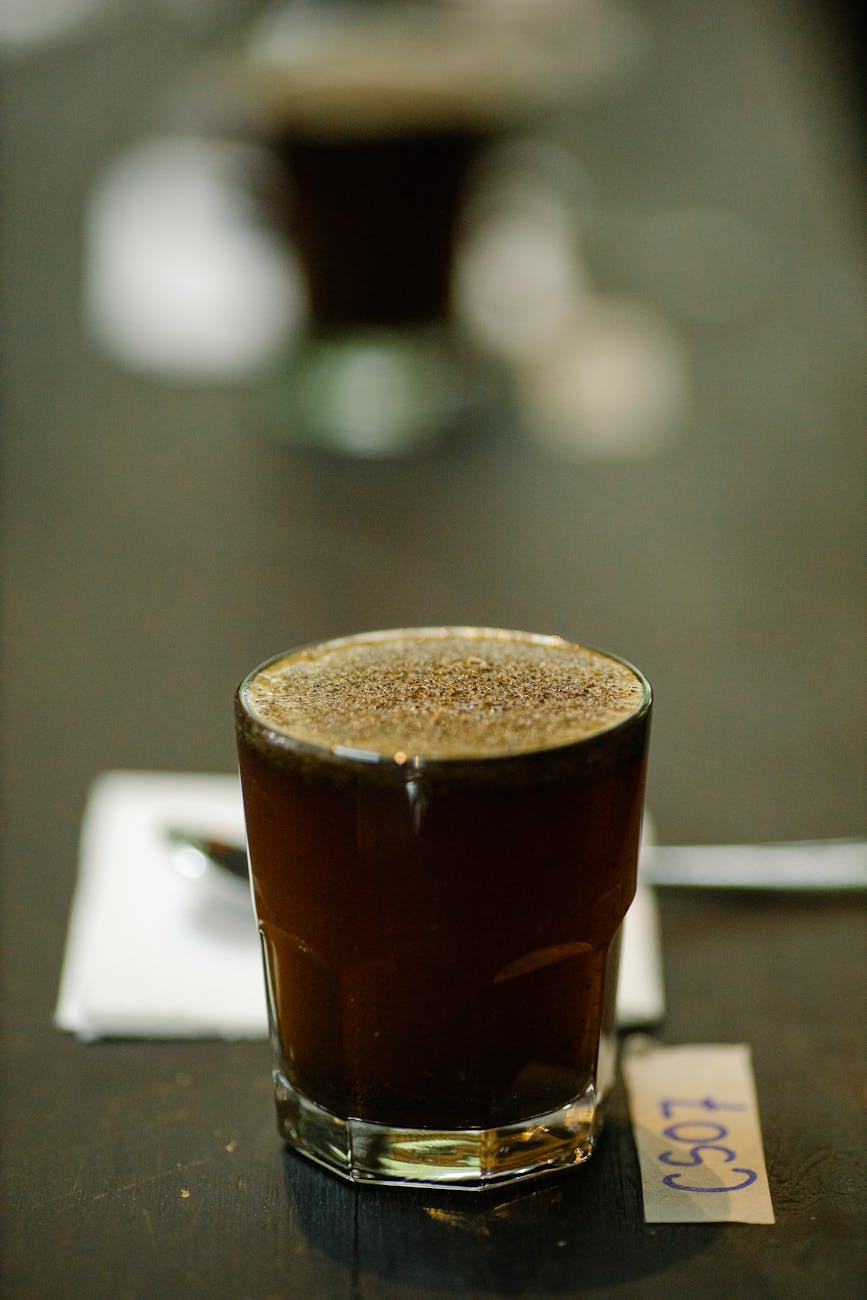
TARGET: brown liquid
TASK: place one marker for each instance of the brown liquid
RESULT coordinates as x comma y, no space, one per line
374,219
437,929
374,152
375,118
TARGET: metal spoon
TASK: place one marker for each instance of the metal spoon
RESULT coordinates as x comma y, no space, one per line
818,865
194,854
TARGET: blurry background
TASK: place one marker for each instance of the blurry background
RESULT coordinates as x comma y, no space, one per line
668,272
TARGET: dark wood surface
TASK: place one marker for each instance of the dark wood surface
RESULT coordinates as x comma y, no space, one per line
157,545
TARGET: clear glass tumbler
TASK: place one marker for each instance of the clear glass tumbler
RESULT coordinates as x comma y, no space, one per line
440,918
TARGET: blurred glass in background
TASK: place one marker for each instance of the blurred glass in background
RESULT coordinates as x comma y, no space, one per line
376,226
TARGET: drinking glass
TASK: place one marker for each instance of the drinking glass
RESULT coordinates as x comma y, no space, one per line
440,938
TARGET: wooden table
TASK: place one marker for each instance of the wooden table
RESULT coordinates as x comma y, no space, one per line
158,545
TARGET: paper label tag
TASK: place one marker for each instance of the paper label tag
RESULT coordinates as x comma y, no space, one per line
695,1119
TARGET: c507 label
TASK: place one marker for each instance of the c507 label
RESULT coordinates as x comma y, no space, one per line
696,1126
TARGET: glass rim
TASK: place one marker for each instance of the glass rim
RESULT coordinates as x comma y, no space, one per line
285,742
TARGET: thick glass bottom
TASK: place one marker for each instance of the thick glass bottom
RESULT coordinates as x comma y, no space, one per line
468,1159
377,393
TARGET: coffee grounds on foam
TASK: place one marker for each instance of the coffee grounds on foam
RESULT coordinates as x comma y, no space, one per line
444,693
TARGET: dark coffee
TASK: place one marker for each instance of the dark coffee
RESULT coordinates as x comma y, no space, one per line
373,219
443,829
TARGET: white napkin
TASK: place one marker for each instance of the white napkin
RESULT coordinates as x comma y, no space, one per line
154,953
151,953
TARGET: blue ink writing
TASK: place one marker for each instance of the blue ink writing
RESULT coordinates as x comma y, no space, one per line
699,1136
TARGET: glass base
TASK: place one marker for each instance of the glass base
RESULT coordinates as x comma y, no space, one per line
467,1159
374,393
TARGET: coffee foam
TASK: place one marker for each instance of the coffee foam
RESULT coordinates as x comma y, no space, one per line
443,693
403,68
